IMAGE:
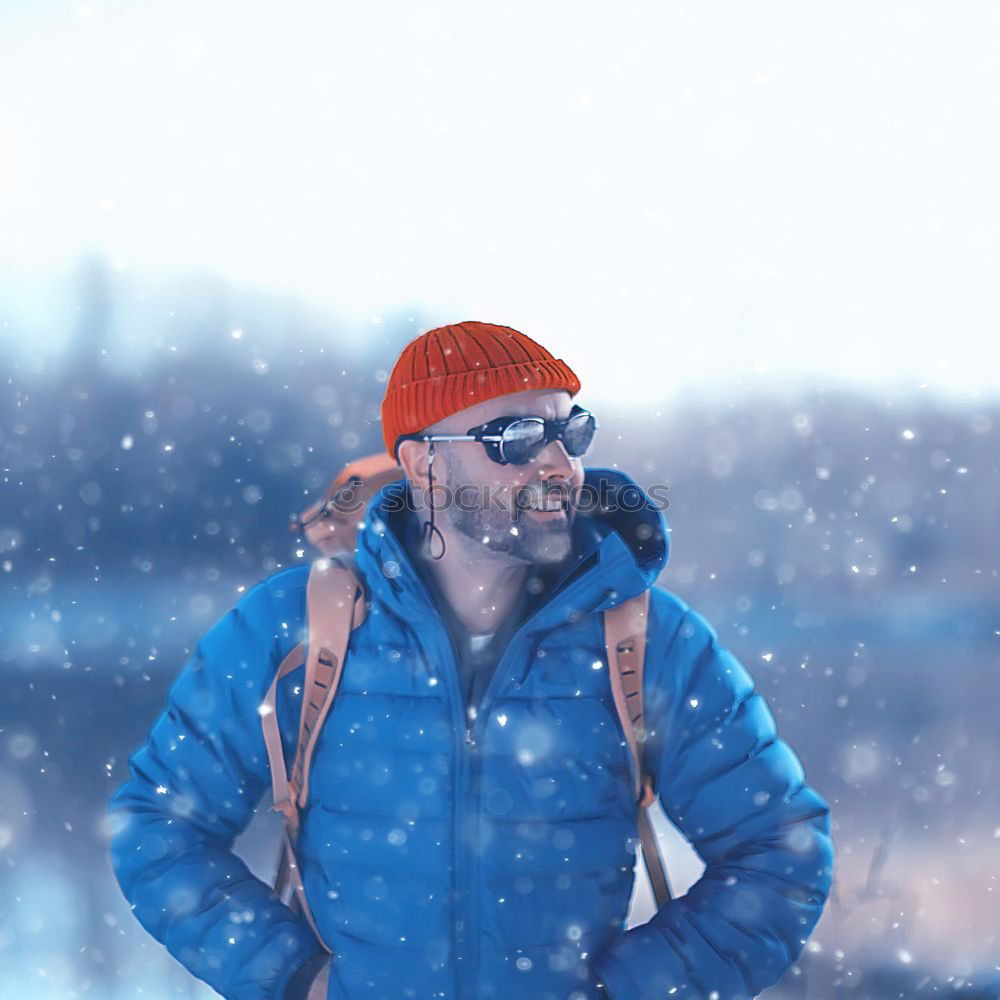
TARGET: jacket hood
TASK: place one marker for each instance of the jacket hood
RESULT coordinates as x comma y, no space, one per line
620,546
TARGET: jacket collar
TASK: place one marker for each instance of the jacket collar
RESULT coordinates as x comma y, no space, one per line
620,546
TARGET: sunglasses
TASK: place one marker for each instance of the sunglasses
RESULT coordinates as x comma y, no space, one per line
519,440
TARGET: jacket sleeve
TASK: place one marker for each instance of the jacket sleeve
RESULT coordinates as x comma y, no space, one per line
738,794
193,789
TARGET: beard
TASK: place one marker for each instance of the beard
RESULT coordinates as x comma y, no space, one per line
515,533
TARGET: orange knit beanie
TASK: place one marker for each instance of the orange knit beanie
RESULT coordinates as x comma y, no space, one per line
453,367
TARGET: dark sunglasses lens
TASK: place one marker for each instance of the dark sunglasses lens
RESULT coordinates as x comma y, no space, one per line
522,441
579,434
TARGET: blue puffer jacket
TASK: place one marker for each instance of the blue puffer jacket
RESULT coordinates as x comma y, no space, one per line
490,863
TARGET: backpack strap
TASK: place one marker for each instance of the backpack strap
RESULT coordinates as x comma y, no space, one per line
625,643
335,606
282,793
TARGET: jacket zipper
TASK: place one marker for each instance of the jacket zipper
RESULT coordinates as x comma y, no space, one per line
471,942
466,743
482,714
464,740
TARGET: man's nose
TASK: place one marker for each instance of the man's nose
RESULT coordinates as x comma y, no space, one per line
554,460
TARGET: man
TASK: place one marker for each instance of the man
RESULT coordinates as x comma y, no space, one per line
471,820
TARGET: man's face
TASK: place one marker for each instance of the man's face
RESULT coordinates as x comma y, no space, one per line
524,511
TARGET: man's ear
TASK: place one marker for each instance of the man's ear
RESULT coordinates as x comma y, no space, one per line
414,459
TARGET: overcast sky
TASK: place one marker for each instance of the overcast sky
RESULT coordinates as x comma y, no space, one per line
662,193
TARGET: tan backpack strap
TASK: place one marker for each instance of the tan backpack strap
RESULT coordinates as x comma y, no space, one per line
625,644
284,796
290,871
283,792
335,606
654,862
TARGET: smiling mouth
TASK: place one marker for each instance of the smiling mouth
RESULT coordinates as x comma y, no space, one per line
550,506
555,501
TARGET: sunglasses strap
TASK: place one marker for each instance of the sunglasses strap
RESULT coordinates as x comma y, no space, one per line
430,528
